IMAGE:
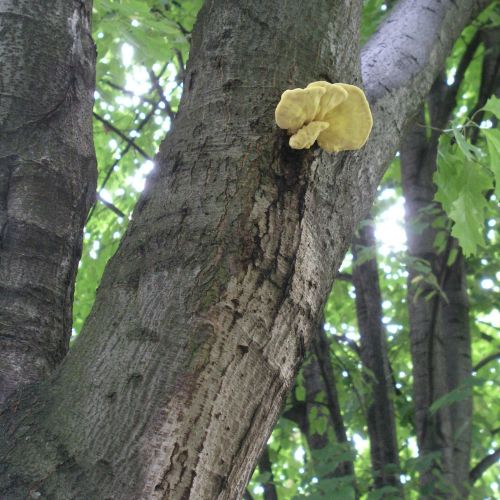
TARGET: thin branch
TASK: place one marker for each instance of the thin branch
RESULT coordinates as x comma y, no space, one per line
156,85
120,134
183,30
344,277
110,205
182,67
141,125
338,337
490,326
125,91
322,352
486,360
489,460
448,100
124,152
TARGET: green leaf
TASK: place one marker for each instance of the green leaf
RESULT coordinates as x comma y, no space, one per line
452,256
493,141
493,106
470,152
300,393
462,185
321,425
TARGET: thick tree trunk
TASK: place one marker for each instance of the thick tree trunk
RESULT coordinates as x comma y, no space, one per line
47,179
203,314
380,418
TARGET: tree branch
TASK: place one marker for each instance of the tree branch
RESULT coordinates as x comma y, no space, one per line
483,466
110,205
401,60
344,277
448,101
156,85
125,91
486,360
119,133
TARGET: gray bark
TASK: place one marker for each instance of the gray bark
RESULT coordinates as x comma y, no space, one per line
203,314
47,179
380,415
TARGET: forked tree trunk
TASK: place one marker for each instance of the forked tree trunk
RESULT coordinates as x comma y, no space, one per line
203,314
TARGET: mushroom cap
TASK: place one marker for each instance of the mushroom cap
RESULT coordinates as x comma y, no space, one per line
297,107
333,96
337,115
305,137
350,122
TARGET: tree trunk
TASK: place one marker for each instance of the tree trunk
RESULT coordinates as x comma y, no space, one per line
47,179
380,418
320,376
265,467
203,314
439,330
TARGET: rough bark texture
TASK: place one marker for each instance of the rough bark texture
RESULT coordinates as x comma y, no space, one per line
380,417
203,314
47,179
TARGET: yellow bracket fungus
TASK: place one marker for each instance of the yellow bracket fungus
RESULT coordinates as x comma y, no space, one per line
337,115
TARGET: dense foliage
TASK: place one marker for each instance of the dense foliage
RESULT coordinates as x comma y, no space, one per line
142,50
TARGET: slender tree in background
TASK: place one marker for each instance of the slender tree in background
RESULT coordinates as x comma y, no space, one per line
204,313
380,413
437,299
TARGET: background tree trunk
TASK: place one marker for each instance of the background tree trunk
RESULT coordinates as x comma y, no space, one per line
439,328
439,333
203,314
380,417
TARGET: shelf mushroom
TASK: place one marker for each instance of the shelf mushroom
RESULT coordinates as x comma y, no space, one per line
336,115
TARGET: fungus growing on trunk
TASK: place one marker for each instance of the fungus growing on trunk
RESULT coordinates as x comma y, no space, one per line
336,115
